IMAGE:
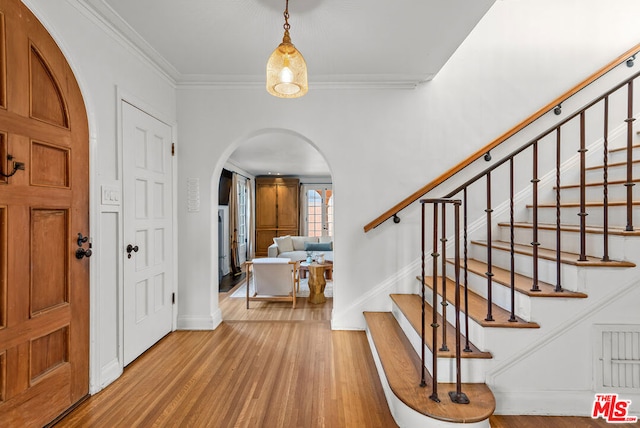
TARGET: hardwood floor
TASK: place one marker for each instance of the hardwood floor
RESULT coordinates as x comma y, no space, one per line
269,366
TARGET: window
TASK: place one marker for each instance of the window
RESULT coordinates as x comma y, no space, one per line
319,210
242,218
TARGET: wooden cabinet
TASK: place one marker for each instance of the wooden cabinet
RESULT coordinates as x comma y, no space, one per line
277,210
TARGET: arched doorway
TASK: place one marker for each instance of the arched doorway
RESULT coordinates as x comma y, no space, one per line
272,155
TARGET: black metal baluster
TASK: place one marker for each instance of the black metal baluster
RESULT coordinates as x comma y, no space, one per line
605,184
458,396
629,182
558,222
583,208
512,317
434,305
467,347
489,262
423,381
444,303
535,244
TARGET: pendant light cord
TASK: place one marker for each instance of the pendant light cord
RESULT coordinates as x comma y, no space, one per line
286,25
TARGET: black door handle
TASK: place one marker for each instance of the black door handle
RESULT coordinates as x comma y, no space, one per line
81,252
131,248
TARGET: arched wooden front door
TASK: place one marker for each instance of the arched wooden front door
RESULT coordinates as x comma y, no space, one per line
44,288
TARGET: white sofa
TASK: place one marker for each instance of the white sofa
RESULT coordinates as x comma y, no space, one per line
296,247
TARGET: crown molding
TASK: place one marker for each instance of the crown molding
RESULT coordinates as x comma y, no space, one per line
116,27
363,81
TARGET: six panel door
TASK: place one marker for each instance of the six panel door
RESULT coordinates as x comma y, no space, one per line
148,231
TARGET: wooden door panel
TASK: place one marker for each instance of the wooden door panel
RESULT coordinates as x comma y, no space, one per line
266,215
49,247
3,67
49,165
44,289
48,352
3,274
288,206
47,103
264,238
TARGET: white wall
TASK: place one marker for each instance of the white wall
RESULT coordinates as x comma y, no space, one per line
104,66
383,144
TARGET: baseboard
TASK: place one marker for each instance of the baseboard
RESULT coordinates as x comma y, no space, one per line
109,373
200,323
553,403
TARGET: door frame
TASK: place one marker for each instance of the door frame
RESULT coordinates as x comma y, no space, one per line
123,96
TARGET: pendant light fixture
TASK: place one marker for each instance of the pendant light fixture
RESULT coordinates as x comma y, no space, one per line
286,68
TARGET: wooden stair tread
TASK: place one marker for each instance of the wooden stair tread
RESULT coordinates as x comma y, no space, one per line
478,308
401,366
611,165
522,283
411,307
587,204
598,183
613,230
621,149
548,254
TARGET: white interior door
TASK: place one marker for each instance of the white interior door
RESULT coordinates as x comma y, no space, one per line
148,284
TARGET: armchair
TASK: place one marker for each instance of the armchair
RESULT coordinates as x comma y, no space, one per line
274,279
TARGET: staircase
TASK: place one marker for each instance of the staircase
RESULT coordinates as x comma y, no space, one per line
534,283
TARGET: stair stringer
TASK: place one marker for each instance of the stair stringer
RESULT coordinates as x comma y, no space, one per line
534,380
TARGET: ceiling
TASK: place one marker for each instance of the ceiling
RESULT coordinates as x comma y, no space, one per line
378,43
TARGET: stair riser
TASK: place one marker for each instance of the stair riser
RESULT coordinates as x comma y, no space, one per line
547,271
621,155
616,192
473,369
569,215
476,331
501,295
570,241
614,173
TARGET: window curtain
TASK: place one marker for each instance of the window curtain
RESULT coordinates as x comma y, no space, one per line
236,268
304,227
251,228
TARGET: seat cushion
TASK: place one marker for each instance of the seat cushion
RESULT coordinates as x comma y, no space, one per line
294,255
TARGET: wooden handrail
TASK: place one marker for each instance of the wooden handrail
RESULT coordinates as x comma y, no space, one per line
493,144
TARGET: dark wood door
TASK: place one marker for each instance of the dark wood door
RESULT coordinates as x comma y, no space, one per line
44,288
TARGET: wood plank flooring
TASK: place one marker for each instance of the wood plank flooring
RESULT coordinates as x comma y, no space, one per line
265,367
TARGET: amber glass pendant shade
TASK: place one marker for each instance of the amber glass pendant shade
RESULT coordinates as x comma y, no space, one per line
287,71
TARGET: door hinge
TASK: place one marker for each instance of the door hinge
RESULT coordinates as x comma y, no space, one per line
173,149
173,298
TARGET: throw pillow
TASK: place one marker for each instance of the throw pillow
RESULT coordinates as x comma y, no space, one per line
284,243
320,246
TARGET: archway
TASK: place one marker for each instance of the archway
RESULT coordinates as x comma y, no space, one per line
269,153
